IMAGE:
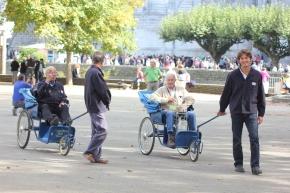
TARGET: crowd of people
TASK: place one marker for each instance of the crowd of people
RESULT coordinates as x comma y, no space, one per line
30,67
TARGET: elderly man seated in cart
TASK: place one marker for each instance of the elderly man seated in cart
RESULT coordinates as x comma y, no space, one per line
52,99
174,99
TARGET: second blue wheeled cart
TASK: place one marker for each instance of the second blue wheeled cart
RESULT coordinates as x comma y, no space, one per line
186,141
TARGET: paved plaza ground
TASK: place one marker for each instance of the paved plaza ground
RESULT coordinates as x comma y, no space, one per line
41,168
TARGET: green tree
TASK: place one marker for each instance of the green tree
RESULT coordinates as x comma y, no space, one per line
269,30
215,27
76,24
24,52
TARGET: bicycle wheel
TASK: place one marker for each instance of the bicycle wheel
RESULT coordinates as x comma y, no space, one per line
194,146
64,145
23,129
146,136
183,151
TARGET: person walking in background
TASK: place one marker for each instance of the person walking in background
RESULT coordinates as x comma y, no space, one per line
151,76
36,69
18,98
138,79
23,68
14,69
244,92
97,99
30,67
265,77
181,76
76,71
40,70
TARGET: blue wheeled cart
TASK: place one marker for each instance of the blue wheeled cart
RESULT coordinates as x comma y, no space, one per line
186,141
64,136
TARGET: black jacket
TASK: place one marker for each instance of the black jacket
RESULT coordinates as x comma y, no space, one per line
96,90
36,65
14,66
244,96
51,95
23,67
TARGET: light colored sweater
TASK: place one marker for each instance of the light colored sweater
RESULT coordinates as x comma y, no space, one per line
182,99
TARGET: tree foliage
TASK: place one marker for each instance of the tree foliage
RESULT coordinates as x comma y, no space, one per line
24,52
269,30
76,24
215,27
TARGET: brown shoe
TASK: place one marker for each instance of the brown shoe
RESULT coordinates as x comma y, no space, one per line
102,161
170,143
89,157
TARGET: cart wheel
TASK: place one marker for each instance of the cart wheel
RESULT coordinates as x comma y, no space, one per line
146,136
64,145
183,151
194,151
23,129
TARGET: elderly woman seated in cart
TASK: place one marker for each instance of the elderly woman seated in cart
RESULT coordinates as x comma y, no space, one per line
174,99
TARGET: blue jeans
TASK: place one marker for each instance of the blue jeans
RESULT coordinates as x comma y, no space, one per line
18,105
251,121
170,118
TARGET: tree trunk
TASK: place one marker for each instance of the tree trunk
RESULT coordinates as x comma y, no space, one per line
275,61
68,68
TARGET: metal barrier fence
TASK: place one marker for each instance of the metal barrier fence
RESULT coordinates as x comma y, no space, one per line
274,85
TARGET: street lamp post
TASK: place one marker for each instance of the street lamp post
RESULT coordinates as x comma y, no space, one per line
2,50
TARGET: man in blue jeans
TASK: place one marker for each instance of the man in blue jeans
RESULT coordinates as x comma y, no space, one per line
18,98
174,99
244,92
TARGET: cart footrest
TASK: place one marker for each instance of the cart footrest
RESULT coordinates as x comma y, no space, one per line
183,138
52,134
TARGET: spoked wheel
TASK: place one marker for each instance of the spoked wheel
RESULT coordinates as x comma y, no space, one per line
146,136
23,129
64,145
194,150
183,151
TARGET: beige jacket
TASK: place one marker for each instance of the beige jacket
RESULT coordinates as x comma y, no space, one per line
182,99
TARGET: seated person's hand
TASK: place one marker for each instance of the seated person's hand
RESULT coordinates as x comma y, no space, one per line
170,99
49,78
61,104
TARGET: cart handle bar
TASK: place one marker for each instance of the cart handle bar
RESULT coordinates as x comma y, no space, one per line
77,117
207,121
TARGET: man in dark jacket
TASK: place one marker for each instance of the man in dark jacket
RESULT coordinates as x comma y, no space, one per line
244,92
52,99
36,68
14,69
30,67
97,99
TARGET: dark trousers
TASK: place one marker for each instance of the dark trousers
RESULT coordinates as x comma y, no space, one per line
36,75
61,112
251,121
98,136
